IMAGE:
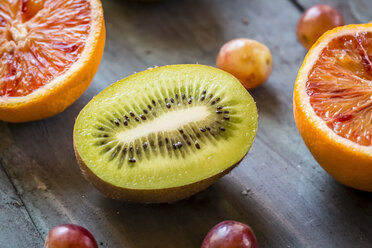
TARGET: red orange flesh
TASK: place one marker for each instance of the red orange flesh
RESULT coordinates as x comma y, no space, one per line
49,52
40,40
340,87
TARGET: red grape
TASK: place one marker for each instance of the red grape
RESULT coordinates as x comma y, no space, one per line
315,21
230,234
68,236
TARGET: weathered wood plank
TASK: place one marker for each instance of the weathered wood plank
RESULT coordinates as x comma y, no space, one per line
290,201
16,227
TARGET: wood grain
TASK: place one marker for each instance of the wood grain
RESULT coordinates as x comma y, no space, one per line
16,226
278,188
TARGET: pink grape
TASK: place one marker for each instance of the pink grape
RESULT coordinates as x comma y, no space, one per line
68,236
230,234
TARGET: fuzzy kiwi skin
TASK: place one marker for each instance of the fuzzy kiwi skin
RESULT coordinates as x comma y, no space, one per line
167,195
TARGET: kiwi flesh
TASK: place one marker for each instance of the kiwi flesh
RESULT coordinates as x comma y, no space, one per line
164,134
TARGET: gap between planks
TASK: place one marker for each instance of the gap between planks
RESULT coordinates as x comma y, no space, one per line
297,5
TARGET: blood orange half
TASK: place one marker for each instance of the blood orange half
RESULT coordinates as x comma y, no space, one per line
49,51
333,104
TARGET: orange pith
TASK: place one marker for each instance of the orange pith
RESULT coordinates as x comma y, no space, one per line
339,86
40,40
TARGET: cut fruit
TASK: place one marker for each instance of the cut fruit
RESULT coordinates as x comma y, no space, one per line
333,104
50,51
164,134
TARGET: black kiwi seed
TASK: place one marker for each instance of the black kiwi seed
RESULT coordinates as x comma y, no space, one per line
189,100
131,113
105,135
213,102
185,136
142,117
219,112
113,155
202,129
125,150
226,117
219,107
226,111
160,143
165,99
131,149
126,117
180,130
153,102
166,140
101,128
145,145
132,160
125,123
211,95
204,91
116,122
172,100
222,129
188,142
197,145
176,96
168,105
183,96
208,128
149,106
218,99
202,98
145,111
137,119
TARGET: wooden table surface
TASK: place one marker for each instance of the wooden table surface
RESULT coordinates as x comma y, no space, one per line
278,189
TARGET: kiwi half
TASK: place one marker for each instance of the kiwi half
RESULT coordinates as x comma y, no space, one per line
164,134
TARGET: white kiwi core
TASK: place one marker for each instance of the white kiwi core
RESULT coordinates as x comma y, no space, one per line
169,121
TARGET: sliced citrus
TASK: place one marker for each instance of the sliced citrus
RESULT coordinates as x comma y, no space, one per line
49,51
333,104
